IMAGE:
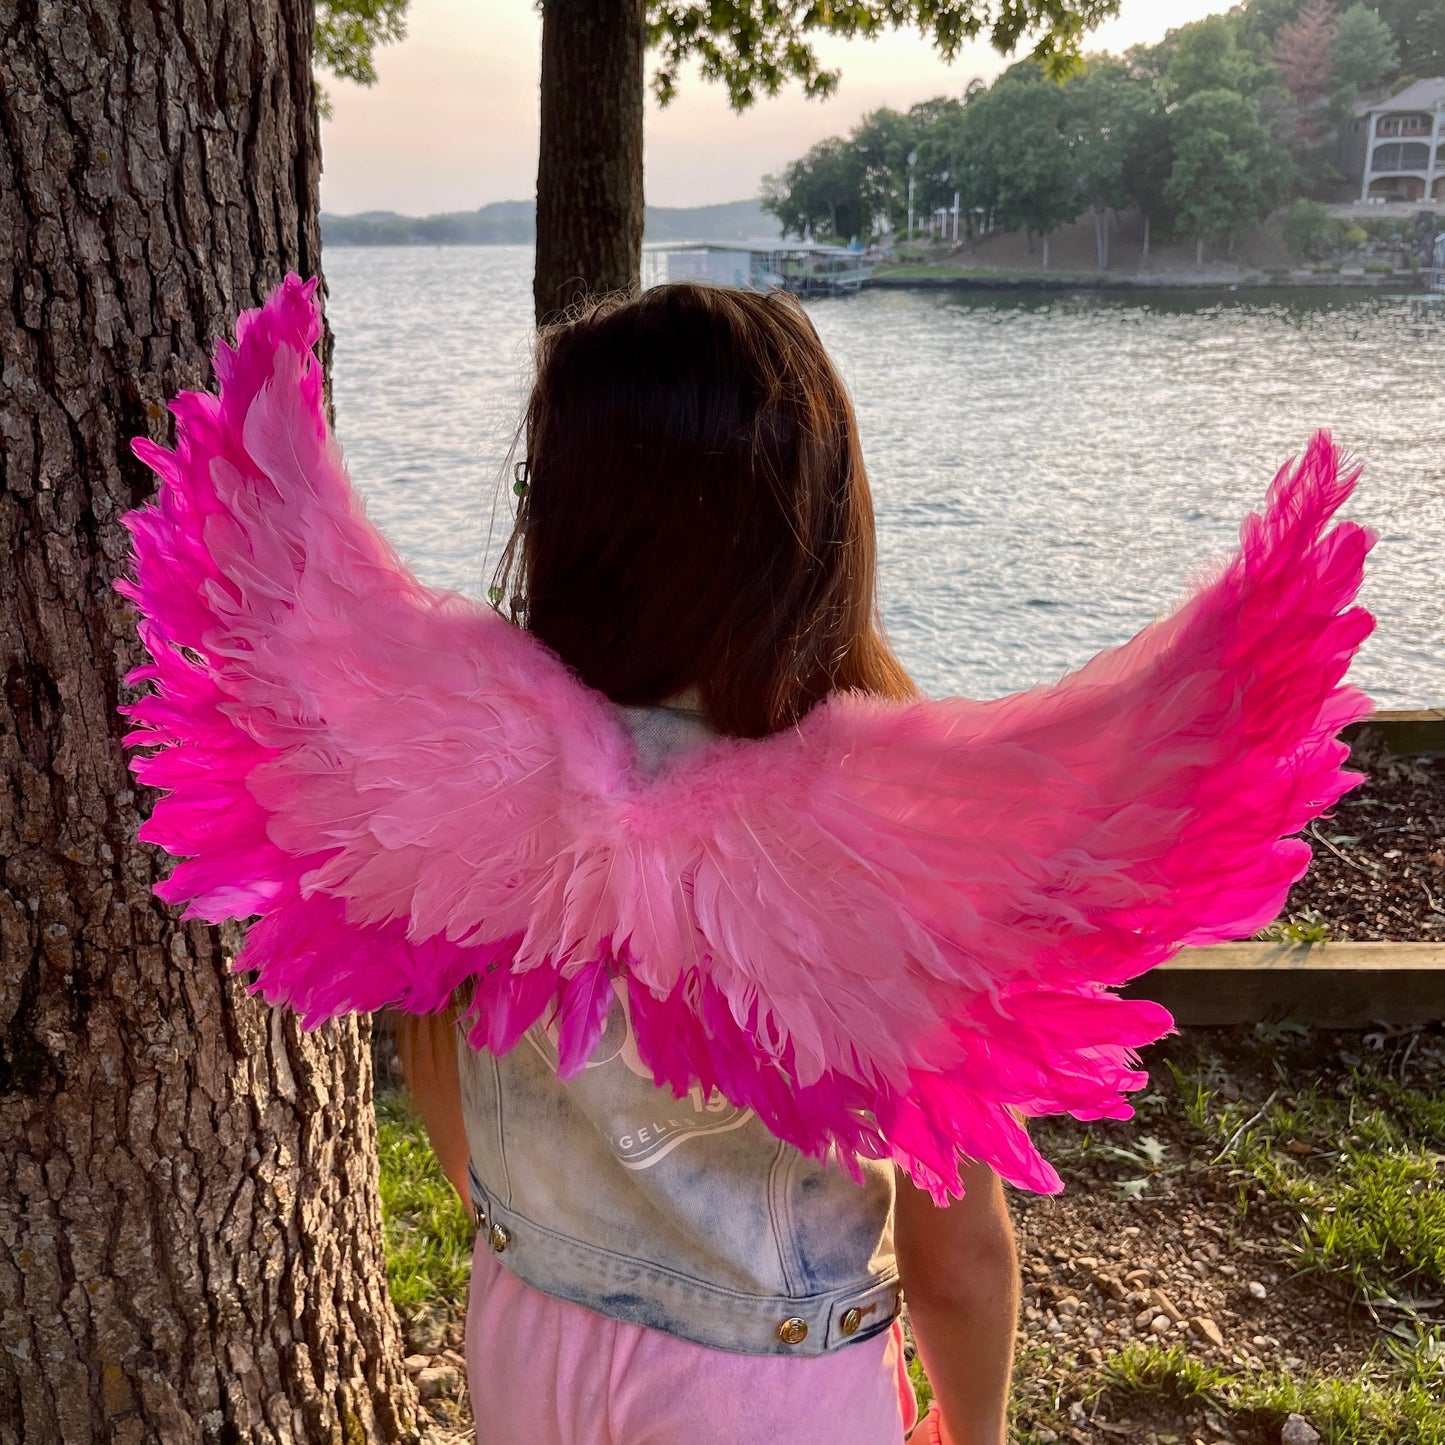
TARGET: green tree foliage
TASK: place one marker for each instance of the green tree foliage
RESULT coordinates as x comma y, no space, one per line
821,192
1016,157
1363,56
347,34
1148,159
1266,18
1311,233
755,47
936,124
1229,172
883,142
1418,27
1211,55
1102,107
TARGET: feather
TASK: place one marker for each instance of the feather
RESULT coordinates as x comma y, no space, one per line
893,931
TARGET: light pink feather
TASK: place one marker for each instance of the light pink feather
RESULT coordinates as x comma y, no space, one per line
892,930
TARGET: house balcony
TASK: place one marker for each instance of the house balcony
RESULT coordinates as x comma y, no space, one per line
1402,126
1411,156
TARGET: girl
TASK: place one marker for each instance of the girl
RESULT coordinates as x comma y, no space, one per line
760,959
695,540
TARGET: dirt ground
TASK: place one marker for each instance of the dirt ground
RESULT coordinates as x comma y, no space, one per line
1205,1259
1072,250
1379,864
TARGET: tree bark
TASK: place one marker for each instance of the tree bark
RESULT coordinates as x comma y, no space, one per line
589,166
190,1242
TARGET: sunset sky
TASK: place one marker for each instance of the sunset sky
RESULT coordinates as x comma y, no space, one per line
452,123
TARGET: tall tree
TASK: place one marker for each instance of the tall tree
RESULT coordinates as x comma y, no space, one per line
589,171
1016,157
1363,56
882,142
1303,54
1208,55
1419,30
190,1247
1148,159
1101,109
821,192
1229,172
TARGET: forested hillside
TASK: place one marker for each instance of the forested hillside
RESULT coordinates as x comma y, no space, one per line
1203,134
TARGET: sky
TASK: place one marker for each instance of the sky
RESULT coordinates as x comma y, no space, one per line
451,124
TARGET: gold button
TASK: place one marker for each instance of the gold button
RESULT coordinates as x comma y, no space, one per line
498,1237
850,1321
793,1331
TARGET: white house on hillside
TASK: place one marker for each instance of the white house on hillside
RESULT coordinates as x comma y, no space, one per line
1398,145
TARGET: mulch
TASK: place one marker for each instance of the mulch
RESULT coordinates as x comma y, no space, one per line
1379,858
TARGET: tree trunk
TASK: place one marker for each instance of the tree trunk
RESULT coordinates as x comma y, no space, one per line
1146,233
1199,250
589,167
1046,251
1101,237
190,1245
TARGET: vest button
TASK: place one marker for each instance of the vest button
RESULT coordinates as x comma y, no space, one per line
793,1331
850,1321
498,1238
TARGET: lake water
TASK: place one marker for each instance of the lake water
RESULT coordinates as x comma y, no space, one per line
1049,472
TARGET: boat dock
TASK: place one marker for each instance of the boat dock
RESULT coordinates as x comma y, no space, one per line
802,267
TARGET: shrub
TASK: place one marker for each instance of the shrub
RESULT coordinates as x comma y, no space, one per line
1311,233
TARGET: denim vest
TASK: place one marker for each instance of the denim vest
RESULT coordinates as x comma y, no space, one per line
683,1215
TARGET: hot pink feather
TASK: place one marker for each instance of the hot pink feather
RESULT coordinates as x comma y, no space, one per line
892,930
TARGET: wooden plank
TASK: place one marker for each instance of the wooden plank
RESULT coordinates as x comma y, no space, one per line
1328,985
1416,733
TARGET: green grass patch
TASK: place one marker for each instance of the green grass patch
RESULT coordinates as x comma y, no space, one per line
428,1235
1373,1406
1363,1167
1307,926
943,273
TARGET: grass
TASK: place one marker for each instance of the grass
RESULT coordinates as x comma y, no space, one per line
428,1234
1370,1407
917,272
1363,1168
1358,1156
1307,926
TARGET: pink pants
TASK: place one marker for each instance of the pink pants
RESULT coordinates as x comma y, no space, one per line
544,1371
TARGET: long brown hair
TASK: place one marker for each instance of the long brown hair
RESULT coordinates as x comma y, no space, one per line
696,511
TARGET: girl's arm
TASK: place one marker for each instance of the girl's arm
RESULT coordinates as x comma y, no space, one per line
427,1047
960,1278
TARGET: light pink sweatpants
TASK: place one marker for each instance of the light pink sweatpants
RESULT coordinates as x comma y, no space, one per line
544,1371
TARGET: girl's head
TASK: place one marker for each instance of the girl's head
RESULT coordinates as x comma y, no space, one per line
697,513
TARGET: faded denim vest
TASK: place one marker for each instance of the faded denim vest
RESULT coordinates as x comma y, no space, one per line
684,1215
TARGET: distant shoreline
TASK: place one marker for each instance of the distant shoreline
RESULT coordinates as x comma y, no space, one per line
901,280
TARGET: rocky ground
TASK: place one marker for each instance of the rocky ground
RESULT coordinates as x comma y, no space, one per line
1162,1242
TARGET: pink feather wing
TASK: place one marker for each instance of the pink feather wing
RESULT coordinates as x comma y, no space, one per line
892,930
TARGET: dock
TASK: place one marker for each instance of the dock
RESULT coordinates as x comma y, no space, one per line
804,268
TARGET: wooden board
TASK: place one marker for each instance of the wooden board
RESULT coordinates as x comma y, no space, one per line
1330,985
1419,733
